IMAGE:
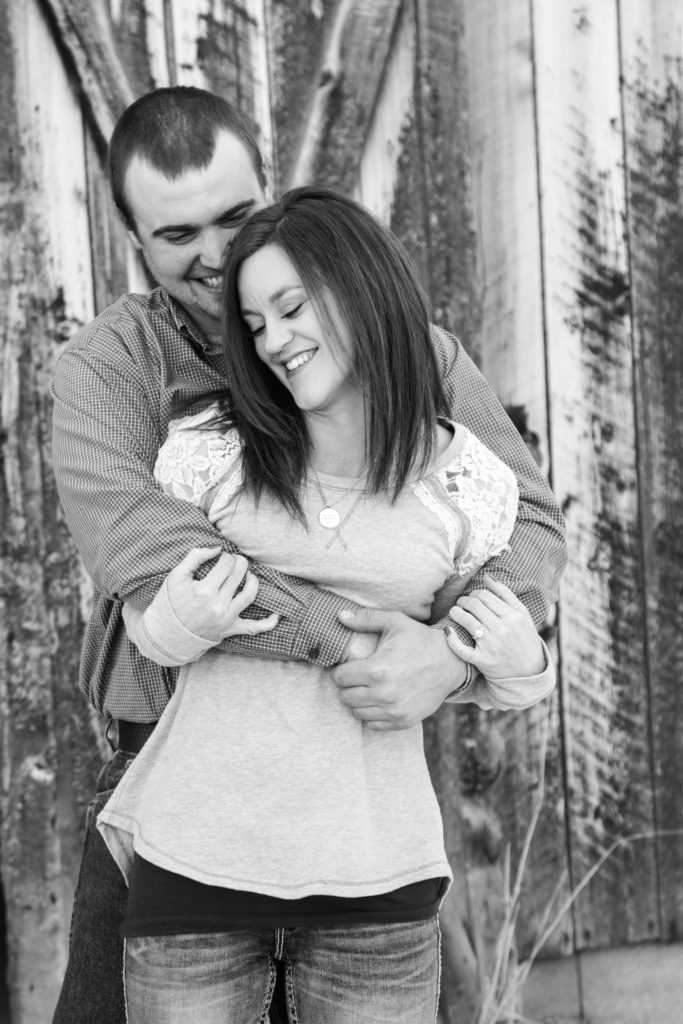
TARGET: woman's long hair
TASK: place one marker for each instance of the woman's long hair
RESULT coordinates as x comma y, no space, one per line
340,249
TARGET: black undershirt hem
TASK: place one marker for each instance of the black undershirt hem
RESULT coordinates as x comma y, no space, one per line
202,909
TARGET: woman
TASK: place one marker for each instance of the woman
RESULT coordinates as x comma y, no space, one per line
329,453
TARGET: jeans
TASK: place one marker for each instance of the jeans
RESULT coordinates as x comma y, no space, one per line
359,974
92,990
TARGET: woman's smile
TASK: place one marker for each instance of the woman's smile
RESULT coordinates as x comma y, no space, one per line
311,356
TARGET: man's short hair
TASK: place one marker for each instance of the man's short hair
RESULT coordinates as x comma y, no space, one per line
174,129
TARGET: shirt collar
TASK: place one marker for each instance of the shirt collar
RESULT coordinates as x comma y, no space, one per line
184,323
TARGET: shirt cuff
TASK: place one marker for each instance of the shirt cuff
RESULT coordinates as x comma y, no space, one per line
520,693
167,637
321,638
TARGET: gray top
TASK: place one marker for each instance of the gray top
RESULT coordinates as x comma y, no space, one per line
310,801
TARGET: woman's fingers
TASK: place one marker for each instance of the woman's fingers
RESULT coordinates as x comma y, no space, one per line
238,602
465,619
193,560
463,650
502,591
251,627
481,602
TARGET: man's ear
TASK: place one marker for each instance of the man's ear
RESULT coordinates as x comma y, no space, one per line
134,238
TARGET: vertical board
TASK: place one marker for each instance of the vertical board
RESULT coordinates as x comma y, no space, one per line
505,198
296,38
604,681
393,109
508,286
220,45
652,53
445,155
47,741
108,242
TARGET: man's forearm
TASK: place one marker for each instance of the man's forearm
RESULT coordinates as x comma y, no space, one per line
131,534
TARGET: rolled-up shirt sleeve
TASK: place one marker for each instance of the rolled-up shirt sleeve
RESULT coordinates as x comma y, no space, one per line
130,534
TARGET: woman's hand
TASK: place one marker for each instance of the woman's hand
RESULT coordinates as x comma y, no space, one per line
210,607
507,644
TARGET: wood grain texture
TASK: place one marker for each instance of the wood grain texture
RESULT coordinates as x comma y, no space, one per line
84,30
296,38
505,197
49,748
652,68
444,140
511,343
594,465
394,110
350,71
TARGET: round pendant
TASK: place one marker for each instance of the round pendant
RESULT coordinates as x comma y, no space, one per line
329,518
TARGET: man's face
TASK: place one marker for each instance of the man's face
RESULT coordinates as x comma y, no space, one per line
184,225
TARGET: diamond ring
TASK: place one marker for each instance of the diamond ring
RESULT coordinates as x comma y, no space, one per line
478,634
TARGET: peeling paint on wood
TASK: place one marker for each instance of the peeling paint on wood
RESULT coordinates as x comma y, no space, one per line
394,108
48,289
505,198
594,469
652,49
515,255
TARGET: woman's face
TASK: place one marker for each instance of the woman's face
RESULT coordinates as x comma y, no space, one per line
289,336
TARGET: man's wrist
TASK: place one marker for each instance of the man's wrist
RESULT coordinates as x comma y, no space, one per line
467,673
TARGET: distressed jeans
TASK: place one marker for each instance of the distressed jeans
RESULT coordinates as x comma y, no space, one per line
359,974
92,990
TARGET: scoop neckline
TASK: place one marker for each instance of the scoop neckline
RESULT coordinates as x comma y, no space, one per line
357,483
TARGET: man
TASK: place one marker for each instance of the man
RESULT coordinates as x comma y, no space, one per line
185,175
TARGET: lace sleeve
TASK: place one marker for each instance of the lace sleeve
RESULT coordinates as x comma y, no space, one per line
194,459
485,490
475,496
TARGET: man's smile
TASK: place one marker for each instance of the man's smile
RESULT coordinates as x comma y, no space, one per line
209,282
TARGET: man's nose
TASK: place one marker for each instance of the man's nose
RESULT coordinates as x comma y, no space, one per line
213,247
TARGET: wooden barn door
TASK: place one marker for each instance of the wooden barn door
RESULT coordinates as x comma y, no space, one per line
528,154
576,131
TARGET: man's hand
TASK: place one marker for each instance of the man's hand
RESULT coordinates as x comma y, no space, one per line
406,679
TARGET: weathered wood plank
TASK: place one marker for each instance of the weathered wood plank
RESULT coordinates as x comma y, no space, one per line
505,187
47,742
394,110
652,53
444,139
594,467
84,30
222,47
108,242
296,35
349,77
133,27
509,290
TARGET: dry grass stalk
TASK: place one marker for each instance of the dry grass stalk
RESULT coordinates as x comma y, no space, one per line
501,998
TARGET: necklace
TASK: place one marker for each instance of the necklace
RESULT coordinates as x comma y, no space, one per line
328,517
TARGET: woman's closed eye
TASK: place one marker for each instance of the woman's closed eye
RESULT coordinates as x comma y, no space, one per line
293,311
256,330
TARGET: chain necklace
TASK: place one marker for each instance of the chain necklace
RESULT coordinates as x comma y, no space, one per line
328,517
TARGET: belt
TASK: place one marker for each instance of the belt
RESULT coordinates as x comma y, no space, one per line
134,735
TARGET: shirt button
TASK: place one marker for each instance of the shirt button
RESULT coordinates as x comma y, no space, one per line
314,653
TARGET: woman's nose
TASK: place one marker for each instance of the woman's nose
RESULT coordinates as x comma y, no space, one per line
277,336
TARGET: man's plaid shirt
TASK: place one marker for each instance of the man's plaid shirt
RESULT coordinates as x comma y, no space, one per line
115,391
